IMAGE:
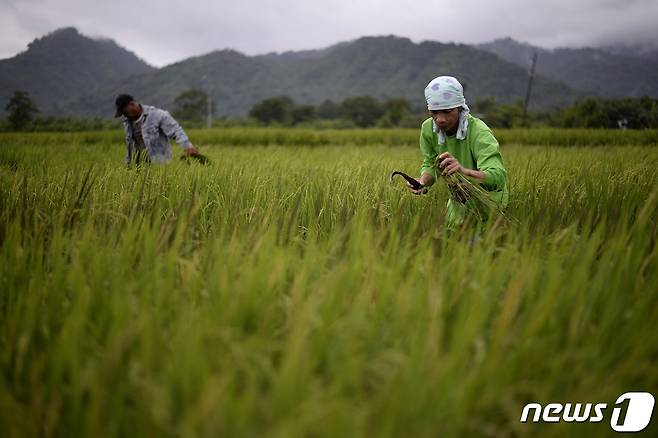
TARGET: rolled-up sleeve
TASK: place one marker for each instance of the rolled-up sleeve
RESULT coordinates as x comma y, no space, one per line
489,161
429,154
173,130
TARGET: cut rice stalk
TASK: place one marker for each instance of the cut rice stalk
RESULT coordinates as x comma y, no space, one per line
464,191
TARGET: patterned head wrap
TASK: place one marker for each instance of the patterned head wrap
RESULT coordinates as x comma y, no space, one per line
445,92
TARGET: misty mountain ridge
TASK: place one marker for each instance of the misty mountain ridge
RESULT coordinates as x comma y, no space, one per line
610,73
65,64
67,73
383,67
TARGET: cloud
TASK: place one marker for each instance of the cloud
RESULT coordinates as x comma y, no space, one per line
166,31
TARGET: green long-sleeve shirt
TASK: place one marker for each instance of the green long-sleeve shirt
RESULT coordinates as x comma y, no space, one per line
479,150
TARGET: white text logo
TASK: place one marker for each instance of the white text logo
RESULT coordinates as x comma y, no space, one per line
631,413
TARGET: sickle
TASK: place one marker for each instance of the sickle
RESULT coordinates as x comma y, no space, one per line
412,181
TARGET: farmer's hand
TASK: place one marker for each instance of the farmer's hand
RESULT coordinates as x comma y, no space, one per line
420,191
449,164
191,150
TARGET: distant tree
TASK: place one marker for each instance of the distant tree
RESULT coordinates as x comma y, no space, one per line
396,110
302,113
587,113
504,115
364,111
629,113
273,110
191,105
328,110
22,110
484,106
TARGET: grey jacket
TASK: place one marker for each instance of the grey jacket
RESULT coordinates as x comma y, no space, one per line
158,127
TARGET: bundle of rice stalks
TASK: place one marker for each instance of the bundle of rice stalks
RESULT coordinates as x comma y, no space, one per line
200,158
464,191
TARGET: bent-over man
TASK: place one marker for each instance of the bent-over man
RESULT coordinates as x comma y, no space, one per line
148,130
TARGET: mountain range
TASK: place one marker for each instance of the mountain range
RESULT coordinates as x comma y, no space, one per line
599,72
67,73
63,66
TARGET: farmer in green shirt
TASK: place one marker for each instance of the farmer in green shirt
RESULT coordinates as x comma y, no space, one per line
463,144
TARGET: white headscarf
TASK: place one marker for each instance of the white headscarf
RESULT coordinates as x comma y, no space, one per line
445,92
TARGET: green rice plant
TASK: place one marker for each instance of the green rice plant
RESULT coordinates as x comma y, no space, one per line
348,137
464,191
293,291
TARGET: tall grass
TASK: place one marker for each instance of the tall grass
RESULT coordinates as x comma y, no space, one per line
350,137
292,291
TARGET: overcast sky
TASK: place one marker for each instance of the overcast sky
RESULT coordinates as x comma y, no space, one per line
165,31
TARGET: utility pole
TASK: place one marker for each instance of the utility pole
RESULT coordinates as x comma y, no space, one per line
531,75
209,111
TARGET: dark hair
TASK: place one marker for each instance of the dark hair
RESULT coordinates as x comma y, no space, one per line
120,103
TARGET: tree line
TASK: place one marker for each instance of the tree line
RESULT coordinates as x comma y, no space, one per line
193,107
361,111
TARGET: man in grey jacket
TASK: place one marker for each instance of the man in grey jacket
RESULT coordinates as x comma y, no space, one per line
148,131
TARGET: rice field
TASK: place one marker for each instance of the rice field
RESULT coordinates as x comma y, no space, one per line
294,291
